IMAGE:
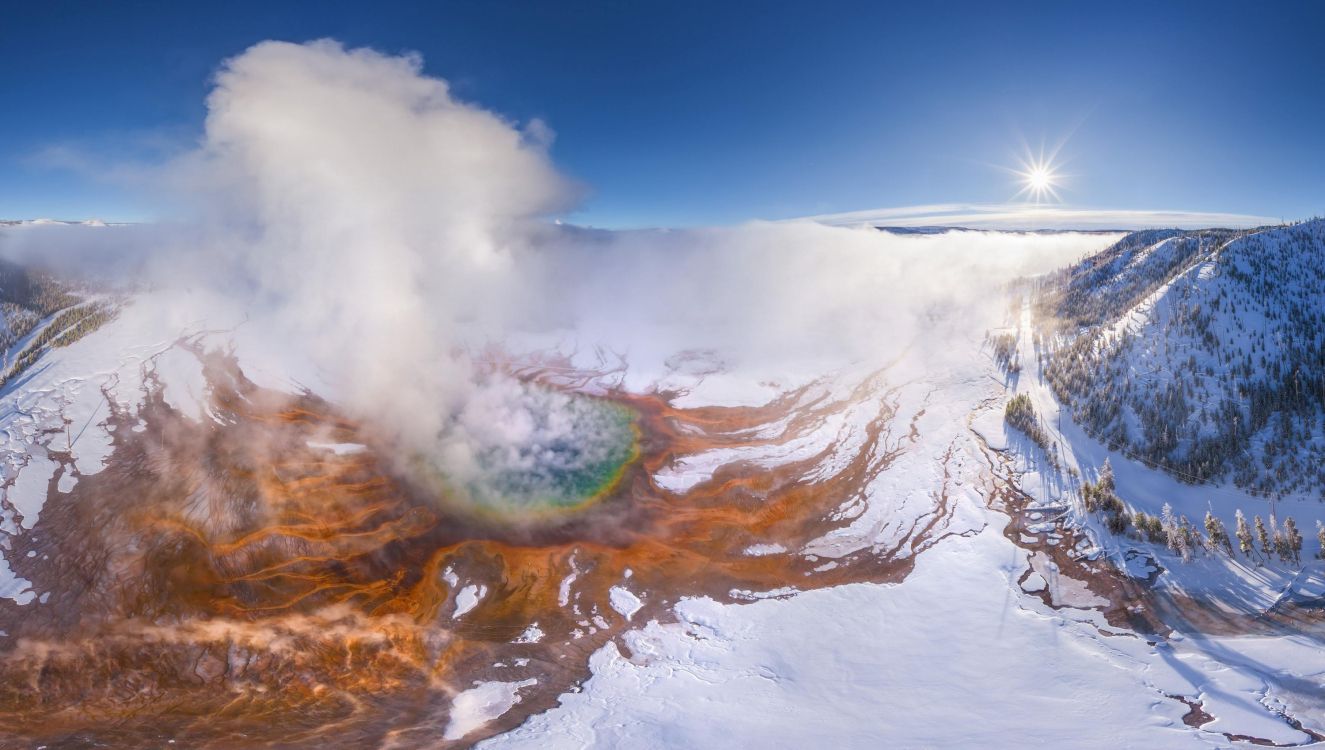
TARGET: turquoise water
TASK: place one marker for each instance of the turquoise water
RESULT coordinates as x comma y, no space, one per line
572,449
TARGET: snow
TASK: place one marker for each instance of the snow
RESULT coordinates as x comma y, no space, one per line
531,634
728,389
185,386
28,493
13,587
60,402
846,427
468,598
624,601
916,662
1212,306
989,425
481,704
1298,682
340,449
957,654
1147,489
564,590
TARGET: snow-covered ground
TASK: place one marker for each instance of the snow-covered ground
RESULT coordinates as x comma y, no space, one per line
959,654
1248,585
962,652
61,404
952,657
956,655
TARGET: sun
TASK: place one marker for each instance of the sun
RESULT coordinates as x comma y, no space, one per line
1039,180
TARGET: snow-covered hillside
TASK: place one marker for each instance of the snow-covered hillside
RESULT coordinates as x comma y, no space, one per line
1200,353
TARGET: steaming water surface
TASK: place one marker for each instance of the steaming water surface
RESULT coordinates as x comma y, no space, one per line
568,450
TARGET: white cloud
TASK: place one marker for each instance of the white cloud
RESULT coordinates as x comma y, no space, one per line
1015,216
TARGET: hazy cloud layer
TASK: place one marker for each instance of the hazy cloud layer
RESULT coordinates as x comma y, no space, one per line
1020,217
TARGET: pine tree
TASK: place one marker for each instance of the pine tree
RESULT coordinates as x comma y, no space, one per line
1320,538
1293,540
1178,533
1188,540
1170,525
1105,482
1216,534
1263,537
1149,527
1141,521
1277,540
1244,534
1155,532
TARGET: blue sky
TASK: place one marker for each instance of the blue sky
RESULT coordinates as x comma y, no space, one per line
705,113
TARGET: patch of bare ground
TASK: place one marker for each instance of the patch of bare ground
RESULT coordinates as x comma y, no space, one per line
1197,717
1054,542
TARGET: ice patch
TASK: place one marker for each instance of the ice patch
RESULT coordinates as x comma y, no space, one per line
531,634
28,493
340,449
468,598
185,386
481,704
623,600
13,587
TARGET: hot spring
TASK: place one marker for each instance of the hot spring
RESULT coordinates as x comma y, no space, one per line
524,451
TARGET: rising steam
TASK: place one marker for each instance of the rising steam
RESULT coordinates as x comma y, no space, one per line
375,227
370,212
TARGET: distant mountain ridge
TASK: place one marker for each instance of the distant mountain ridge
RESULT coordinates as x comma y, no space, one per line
1199,352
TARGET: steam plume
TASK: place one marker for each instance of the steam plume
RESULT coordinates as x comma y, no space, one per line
374,225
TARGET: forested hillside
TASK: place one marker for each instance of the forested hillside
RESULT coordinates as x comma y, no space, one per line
1202,353
38,312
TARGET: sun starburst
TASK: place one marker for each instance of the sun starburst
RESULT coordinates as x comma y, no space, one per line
1040,180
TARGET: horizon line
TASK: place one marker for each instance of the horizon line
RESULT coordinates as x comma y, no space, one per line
1032,217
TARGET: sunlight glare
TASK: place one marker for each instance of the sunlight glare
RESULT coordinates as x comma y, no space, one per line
1039,179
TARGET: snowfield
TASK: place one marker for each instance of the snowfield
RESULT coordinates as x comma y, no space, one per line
964,652
957,655
952,657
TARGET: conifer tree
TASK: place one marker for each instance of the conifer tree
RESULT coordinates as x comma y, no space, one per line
1216,535
1277,540
1263,537
1105,482
1155,531
1141,521
1188,539
1170,525
1244,534
1292,540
